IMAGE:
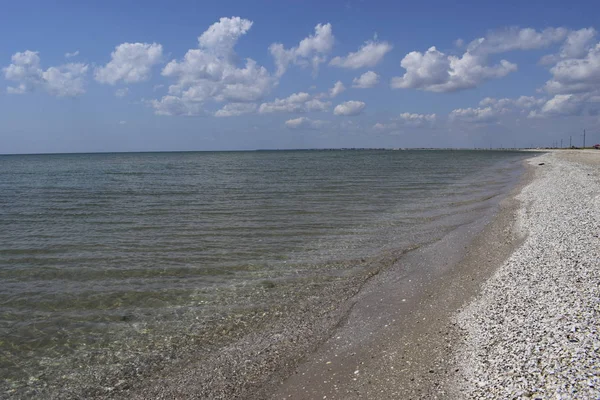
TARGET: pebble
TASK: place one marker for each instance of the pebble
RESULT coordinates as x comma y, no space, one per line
534,330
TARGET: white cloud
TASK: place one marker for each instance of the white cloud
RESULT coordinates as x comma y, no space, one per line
122,92
304,123
211,73
122,122
511,39
175,106
236,109
317,105
21,89
475,115
417,119
312,50
349,108
369,55
71,55
130,62
528,102
382,127
578,43
576,75
437,72
523,103
337,88
297,103
367,80
561,105
64,81
222,36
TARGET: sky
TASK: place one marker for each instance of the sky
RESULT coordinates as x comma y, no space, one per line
102,76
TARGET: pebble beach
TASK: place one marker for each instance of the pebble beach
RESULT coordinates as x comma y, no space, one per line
533,330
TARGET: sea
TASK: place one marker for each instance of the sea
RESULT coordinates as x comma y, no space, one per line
109,260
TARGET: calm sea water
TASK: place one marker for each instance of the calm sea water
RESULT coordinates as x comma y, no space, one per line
97,249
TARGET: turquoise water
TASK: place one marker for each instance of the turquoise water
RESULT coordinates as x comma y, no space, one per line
104,255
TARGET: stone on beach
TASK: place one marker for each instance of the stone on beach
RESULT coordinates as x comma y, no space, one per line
534,331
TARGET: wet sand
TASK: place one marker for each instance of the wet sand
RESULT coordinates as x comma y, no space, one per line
399,337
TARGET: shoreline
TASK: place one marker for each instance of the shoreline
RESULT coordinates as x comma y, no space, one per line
405,350
256,361
533,330
269,366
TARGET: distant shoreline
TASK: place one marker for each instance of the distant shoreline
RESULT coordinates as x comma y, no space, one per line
273,150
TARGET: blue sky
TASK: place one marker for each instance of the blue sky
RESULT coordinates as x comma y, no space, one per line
150,76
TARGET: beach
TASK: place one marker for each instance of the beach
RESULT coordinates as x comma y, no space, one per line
517,317
533,331
503,304
300,200
401,337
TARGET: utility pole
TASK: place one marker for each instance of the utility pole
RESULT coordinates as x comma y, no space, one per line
570,140
561,143
584,138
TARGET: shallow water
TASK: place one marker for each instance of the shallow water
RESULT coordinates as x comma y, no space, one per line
103,256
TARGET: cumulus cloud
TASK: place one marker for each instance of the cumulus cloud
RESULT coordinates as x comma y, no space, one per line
337,88
476,115
211,72
222,36
523,103
236,109
417,119
63,81
367,80
71,55
349,108
436,71
130,62
312,50
295,103
369,55
576,75
513,38
304,123
561,105
578,43
176,106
